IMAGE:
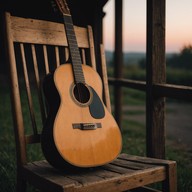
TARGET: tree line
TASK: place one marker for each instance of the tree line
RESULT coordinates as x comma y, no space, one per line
181,60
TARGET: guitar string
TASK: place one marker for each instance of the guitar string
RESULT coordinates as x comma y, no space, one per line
78,83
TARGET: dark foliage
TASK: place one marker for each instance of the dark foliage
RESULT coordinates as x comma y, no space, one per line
183,60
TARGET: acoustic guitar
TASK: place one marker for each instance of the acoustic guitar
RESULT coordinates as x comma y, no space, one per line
79,131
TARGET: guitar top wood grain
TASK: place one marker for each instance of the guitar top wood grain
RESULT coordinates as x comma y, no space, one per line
83,148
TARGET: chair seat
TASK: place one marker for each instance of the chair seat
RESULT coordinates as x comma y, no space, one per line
124,173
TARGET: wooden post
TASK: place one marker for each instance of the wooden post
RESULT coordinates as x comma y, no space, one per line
118,60
155,105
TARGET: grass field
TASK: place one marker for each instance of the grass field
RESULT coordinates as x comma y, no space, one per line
133,143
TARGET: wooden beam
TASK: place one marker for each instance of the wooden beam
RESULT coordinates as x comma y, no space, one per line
139,85
159,90
118,59
156,73
173,91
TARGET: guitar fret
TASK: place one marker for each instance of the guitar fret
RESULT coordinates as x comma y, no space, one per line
71,37
77,70
73,43
71,32
79,75
76,60
73,55
74,50
68,19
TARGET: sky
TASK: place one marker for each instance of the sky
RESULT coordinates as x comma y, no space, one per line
178,25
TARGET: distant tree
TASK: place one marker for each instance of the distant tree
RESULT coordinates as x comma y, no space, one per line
183,60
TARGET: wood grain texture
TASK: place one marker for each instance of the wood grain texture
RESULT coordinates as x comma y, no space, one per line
156,73
112,177
27,30
88,148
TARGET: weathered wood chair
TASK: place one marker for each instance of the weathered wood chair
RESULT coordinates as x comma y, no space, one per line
31,45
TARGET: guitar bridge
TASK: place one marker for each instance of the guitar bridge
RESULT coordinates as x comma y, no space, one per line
86,126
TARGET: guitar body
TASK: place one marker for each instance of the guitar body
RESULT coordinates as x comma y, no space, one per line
79,131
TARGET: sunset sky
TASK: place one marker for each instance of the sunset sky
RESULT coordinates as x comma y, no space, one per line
178,25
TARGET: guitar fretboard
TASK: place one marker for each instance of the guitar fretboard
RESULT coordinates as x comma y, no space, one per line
74,50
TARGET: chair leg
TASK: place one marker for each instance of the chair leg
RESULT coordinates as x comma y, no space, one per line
170,184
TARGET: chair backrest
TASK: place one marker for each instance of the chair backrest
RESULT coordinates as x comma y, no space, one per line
34,48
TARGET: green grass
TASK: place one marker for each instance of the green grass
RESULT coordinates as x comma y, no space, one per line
7,145
173,75
133,137
133,142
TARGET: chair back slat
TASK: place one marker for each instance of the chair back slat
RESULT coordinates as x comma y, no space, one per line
28,89
38,83
83,56
57,56
66,53
91,48
105,79
46,59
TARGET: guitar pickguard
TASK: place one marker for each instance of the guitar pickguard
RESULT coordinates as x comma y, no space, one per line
96,107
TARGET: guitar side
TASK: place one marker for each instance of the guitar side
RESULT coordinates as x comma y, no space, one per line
77,146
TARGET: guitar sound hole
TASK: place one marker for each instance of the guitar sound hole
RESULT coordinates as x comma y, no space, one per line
82,93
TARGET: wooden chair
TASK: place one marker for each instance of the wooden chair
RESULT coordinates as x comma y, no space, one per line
33,46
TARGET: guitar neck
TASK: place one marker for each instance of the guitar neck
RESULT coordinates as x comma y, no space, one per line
73,49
